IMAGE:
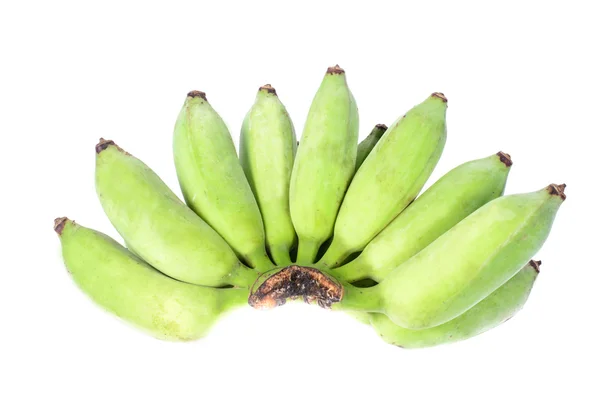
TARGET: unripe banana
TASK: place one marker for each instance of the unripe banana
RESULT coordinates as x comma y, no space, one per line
131,289
390,178
490,312
159,227
213,182
324,163
465,264
267,149
449,200
365,147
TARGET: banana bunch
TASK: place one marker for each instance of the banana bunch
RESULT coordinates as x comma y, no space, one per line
327,220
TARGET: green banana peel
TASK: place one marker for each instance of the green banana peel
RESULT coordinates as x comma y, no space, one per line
213,182
465,264
448,201
159,227
267,150
390,178
364,148
492,311
327,153
132,290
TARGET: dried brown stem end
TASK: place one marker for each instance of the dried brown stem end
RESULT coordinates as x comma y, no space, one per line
378,131
269,89
557,190
103,145
197,93
295,282
505,158
59,224
440,96
535,265
335,70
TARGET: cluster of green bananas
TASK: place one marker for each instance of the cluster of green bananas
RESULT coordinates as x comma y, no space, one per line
327,220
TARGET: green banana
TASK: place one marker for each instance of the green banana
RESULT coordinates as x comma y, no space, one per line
131,289
324,163
159,227
365,147
465,264
213,182
490,312
390,178
267,149
449,200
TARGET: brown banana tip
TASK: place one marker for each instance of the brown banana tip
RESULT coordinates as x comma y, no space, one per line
269,89
535,265
381,126
296,282
59,224
505,158
103,145
440,95
197,93
557,190
335,70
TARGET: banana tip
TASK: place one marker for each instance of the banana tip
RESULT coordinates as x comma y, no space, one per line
103,145
535,265
440,95
505,158
558,190
335,70
269,89
197,93
59,224
378,131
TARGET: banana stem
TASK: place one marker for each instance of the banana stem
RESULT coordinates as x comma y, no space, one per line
243,277
260,261
335,255
307,251
281,255
351,272
360,299
234,298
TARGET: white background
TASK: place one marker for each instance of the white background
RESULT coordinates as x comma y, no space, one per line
521,77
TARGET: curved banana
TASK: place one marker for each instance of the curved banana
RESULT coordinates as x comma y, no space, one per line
365,147
213,182
390,178
449,200
159,227
129,288
465,264
490,312
324,163
267,149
